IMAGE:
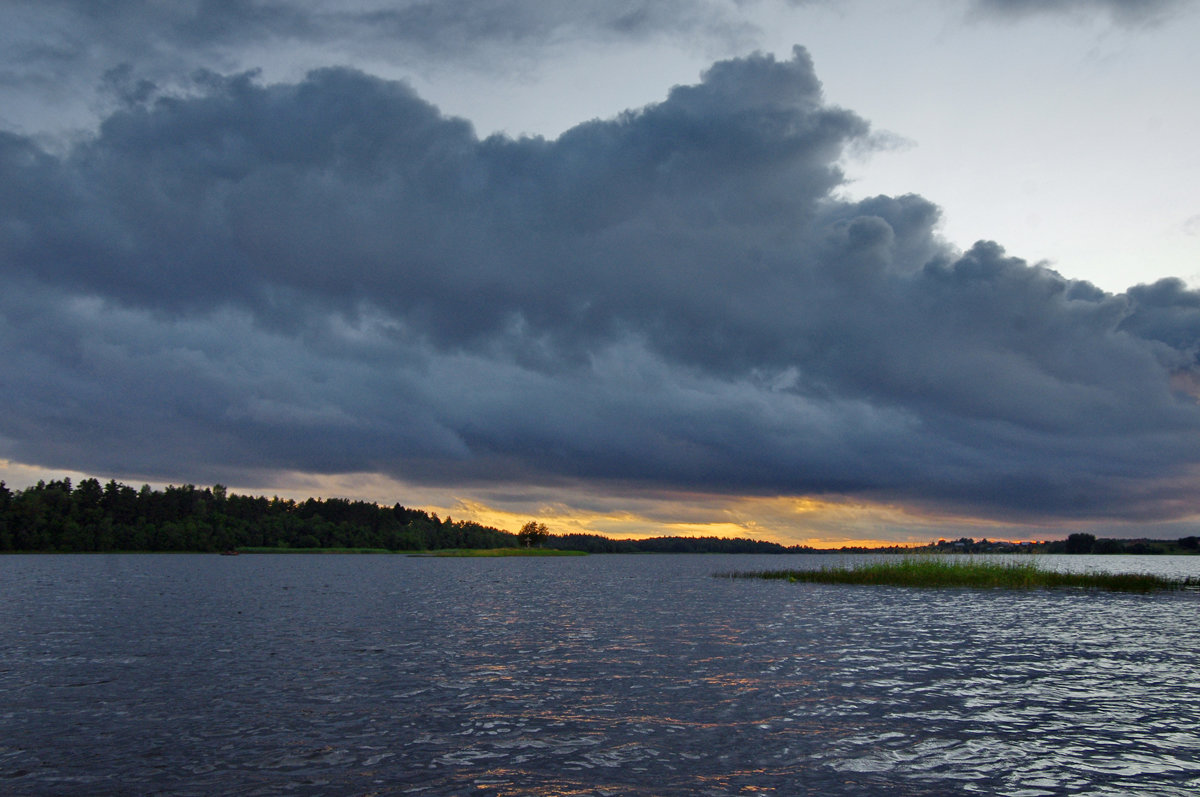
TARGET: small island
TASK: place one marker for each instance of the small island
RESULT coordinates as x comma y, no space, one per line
937,571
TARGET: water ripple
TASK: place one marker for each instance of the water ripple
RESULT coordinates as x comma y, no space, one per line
601,675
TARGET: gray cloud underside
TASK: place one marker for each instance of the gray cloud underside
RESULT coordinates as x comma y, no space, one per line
1126,12
331,276
55,55
65,63
60,37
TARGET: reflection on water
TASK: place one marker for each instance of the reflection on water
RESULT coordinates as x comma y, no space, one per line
596,675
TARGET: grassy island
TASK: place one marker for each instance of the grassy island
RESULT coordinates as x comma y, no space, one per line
930,571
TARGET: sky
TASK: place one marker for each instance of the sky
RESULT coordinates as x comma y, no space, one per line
807,271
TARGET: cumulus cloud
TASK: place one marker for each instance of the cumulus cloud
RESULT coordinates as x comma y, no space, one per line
332,276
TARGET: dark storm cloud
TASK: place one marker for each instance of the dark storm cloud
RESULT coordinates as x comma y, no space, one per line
331,276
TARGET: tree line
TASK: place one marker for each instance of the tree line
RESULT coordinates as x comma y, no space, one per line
594,543
57,516
1088,543
62,517
1076,543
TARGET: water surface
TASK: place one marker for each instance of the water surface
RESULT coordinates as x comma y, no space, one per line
192,674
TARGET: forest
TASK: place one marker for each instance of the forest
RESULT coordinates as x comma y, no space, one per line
57,516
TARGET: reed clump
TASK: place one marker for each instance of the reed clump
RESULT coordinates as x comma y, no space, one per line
934,572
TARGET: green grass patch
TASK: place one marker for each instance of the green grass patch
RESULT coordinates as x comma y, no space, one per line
490,552
933,572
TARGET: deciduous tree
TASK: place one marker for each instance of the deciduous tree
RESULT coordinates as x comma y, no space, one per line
533,534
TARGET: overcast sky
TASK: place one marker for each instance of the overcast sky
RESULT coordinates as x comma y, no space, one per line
807,271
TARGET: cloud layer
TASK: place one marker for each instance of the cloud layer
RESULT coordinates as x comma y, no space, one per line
62,60
331,276
1126,12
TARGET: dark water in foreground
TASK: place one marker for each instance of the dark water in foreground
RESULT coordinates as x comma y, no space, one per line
615,675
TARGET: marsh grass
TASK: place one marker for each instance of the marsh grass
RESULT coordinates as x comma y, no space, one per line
932,572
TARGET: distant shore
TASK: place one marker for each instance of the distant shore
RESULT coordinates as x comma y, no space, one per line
494,552
90,517
445,552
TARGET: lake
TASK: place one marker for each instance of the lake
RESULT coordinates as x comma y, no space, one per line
604,675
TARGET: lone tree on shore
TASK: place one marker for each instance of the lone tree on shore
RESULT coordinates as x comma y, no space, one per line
533,533
1081,543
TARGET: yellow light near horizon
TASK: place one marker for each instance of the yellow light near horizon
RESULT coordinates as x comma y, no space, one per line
559,518
814,521
769,519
